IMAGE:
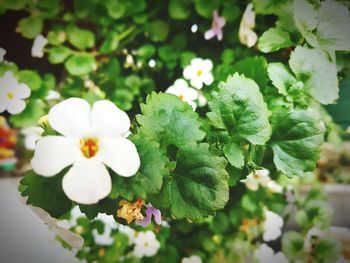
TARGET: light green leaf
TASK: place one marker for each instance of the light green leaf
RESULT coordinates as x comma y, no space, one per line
59,54
149,178
31,78
327,250
281,77
296,140
46,193
205,8
268,6
78,65
234,155
179,9
30,27
168,120
198,186
293,245
273,40
80,38
319,75
239,107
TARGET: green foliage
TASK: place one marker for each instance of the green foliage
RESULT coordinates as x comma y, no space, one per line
274,39
30,27
198,185
239,107
80,38
293,245
296,140
59,54
78,65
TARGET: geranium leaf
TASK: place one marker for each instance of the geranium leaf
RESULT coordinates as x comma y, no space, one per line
239,107
167,120
296,140
198,186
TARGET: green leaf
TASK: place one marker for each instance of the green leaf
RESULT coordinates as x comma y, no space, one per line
239,107
106,205
327,250
158,30
186,57
179,9
46,193
281,77
31,78
319,75
296,140
231,12
149,178
273,40
56,37
30,27
31,114
293,245
198,186
268,6
205,8
59,54
110,44
254,68
168,120
234,155
115,9
146,51
80,38
78,65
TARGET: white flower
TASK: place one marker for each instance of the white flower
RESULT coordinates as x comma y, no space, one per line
199,72
192,259
246,34
32,135
146,244
2,54
274,187
105,238
91,140
265,254
12,94
39,43
254,179
53,95
75,213
272,226
185,93
202,101
131,233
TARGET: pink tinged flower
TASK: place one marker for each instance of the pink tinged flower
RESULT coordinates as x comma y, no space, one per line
91,139
216,27
150,212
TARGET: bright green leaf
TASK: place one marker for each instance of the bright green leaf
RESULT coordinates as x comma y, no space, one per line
31,78
234,155
293,245
59,54
80,38
78,65
30,27
273,40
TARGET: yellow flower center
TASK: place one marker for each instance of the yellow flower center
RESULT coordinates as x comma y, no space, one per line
146,244
89,146
199,72
9,95
181,97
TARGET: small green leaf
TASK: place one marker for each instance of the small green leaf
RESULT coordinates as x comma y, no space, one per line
30,27
234,155
110,44
179,9
78,65
169,121
31,78
158,30
239,107
296,140
146,51
59,54
273,40
205,8
80,38
281,77
293,245
327,250
198,186
319,75
149,178
46,193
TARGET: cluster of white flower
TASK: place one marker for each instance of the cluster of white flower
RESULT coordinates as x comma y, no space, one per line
199,74
265,254
272,226
261,178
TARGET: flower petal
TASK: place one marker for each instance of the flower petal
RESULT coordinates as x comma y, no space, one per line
120,155
71,117
207,64
16,106
209,34
197,83
53,154
87,182
208,79
22,91
108,120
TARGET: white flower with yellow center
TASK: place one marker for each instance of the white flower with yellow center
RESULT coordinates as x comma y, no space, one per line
199,72
246,34
254,179
272,226
31,136
38,46
12,94
184,92
274,187
192,259
146,244
265,254
90,140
